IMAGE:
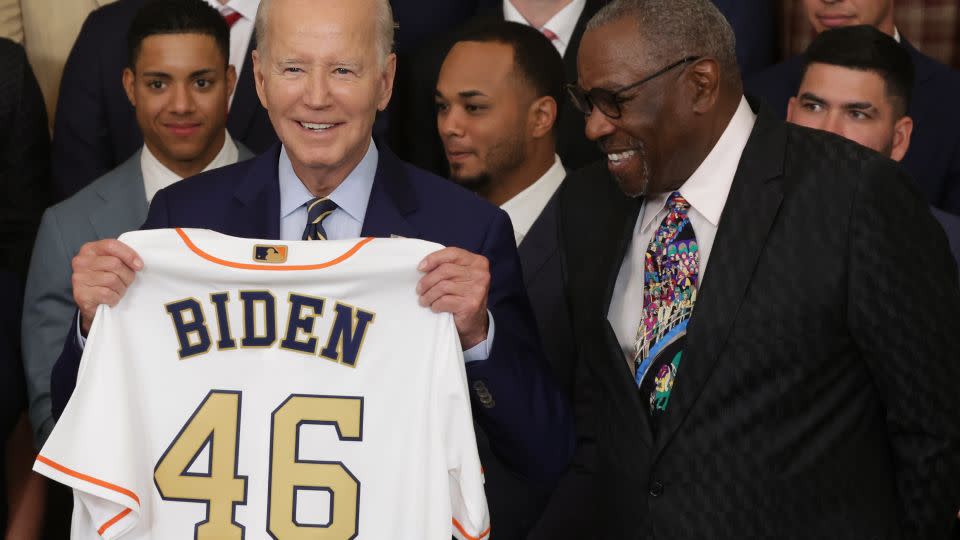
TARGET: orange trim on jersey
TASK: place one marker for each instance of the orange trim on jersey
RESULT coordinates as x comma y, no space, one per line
249,266
112,487
103,528
466,534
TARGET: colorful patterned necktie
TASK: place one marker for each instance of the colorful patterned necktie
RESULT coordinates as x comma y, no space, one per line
672,264
317,210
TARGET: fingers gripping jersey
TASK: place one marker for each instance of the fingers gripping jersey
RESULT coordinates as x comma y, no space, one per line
249,389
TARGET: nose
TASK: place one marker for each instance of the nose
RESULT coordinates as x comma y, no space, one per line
834,123
598,125
316,95
449,123
182,102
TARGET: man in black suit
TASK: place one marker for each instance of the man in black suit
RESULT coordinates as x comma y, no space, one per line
497,98
416,140
766,315
856,83
24,158
96,128
934,159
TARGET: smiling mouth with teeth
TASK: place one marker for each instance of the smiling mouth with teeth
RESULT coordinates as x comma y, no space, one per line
621,155
315,127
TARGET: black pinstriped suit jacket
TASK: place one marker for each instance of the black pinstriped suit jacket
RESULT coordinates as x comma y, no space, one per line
819,395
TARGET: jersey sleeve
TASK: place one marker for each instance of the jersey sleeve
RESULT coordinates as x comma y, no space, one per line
468,502
94,446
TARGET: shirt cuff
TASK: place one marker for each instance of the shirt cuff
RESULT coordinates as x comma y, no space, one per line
81,341
481,351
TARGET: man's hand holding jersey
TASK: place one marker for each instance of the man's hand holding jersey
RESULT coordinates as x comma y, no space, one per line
102,271
455,281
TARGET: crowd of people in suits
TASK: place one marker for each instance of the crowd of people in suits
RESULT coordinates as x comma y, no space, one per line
613,148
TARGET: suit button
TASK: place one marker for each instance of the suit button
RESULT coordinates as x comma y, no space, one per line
656,489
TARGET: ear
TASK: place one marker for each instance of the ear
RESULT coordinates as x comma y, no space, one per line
259,64
542,115
704,77
231,78
791,105
386,81
129,80
902,131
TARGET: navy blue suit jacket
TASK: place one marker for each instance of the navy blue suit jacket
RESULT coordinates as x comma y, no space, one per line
934,156
96,127
753,23
528,421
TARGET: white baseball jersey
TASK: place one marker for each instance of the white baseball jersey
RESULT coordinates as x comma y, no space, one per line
259,389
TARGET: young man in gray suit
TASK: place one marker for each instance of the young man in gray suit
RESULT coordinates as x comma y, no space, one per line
497,99
179,81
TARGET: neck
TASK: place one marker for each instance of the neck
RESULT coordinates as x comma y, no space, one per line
698,149
538,12
321,181
507,186
192,167
886,25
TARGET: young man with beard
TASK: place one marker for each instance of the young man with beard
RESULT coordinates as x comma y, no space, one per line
857,83
933,159
497,101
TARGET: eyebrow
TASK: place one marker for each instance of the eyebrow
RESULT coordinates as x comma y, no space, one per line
164,75
463,94
851,106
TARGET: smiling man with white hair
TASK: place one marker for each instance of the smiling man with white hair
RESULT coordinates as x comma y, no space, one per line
322,79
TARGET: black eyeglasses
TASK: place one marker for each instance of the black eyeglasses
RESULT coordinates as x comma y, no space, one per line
609,101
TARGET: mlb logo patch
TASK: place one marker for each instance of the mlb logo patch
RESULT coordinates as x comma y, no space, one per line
269,254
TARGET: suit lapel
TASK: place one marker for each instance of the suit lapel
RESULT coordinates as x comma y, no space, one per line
124,200
747,218
616,226
256,209
540,242
392,199
245,100
921,64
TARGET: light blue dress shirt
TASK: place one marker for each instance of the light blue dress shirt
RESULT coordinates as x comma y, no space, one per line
346,221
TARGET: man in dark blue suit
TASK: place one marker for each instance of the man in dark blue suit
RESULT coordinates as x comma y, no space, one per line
933,160
322,74
856,83
96,128
753,25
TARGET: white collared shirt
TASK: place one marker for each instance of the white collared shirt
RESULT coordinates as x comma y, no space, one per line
706,190
562,23
346,221
525,207
241,31
157,176
352,197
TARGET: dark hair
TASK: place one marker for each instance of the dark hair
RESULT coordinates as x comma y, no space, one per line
160,17
865,48
535,59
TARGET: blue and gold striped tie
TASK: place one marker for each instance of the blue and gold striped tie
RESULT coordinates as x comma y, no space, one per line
317,210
